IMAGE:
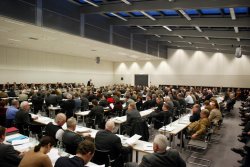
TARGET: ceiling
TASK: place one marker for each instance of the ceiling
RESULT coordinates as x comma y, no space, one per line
22,35
217,25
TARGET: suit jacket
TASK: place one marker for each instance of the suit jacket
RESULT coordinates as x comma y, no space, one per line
161,118
199,127
98,112
68,107
194,117
105,140
8,156
52,99
215,116
22,117
132,116
69,162
71,140
171,158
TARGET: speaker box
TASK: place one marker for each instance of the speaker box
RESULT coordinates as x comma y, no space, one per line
238,53
98,59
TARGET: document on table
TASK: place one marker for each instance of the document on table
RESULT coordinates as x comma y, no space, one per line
167,128
82,130
148,147
22,141
132,140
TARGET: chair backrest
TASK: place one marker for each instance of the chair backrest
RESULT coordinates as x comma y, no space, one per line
102,157
140,127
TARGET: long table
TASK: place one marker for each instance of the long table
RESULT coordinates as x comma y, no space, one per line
176,127
139,148
54,153
120,120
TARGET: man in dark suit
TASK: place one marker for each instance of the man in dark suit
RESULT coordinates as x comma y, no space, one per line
196,109
106,140
52,99
85,152
71,139
23,118
96,114
8,156
161,157
68,106
161,118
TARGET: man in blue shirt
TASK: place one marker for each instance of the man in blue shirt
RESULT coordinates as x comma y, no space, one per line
11,112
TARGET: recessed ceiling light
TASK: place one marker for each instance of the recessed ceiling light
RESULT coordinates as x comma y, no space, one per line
15,40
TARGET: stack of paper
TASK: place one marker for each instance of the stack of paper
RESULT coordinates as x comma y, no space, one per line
132,140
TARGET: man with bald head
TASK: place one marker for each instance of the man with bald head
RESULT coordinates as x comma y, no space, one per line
54,129
106,140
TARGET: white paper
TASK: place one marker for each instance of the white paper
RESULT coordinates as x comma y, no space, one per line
168,128
91,164
23,147
148,147
82,130
132,140
111,105
53,155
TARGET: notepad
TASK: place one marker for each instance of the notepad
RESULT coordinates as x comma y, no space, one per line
132,140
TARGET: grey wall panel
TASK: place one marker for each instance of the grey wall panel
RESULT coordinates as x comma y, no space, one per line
122,31
63,7
121,41
21,10
139,46
60,22
96,33
153,51
98,21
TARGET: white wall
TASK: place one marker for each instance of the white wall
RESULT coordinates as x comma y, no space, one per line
185,67
21,65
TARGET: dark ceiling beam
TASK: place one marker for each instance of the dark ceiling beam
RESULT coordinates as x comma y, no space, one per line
202,22
194,33
164,4
203,40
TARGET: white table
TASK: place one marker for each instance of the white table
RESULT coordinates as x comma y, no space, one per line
52,111
82,114
120,120
176,127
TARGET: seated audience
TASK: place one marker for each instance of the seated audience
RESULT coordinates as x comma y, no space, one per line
70,138
189,100
163,117
161,157
195,113
215,115
11,113
54,129
68,106
84,153
95,116
198,128
37,157
107,140
23,118
8,156
133,115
